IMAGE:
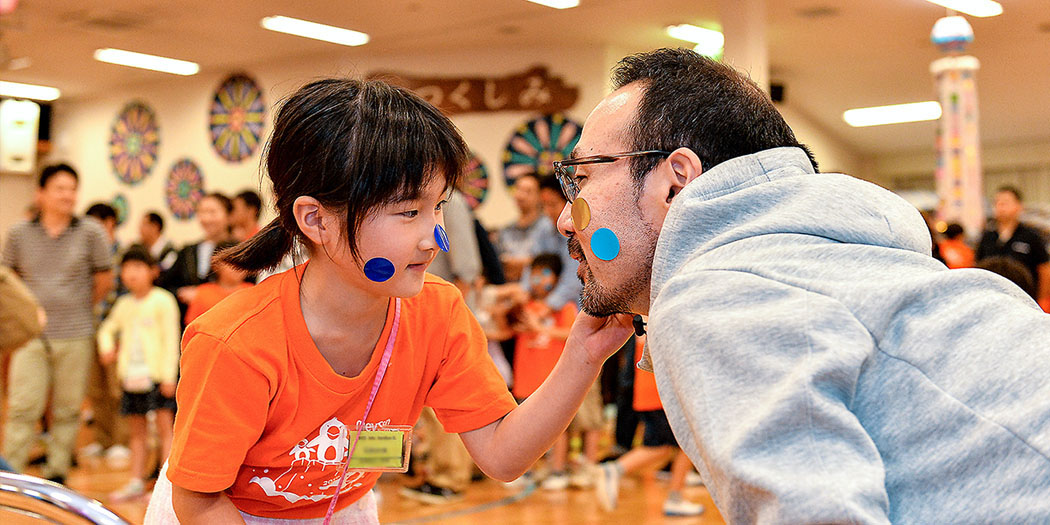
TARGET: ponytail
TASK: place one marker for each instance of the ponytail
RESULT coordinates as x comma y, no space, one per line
263,251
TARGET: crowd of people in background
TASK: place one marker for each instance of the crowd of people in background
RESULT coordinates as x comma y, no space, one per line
112,317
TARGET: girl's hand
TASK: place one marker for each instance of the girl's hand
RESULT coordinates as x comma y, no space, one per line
600,337
108,358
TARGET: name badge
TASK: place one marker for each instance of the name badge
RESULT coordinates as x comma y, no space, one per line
385,450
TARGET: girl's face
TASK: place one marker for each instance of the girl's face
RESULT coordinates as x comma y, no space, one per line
403,233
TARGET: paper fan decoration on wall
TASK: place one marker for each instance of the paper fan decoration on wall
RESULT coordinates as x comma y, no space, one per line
236,118
185,189
133,142
475,181
120,204
537,144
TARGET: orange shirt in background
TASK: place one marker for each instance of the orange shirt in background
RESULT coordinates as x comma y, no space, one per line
264,418
536,353
956,253
646,396
209,295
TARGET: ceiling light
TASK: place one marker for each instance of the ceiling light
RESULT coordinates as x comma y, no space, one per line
895,114
17,90
708,41
294,26
557,4
979,8
144,61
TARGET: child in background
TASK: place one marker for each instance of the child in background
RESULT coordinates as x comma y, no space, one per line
658,446
228,279
278,380
954,250
147,357
541,339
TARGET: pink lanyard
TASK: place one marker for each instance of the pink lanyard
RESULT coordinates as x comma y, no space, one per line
368,408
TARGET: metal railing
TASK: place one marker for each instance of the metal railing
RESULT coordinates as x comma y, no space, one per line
29,500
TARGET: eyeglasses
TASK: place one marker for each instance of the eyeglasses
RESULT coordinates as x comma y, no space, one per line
565,170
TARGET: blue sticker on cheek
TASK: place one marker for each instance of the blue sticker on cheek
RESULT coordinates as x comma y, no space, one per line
605,244
379,269
441,237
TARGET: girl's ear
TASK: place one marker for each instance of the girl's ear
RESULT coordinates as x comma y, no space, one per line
312,217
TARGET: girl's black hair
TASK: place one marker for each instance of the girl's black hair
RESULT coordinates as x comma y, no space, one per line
353,145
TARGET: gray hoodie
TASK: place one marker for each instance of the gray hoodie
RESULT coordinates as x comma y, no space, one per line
818,366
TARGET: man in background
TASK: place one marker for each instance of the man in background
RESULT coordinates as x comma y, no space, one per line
244,219
1014,239
65,261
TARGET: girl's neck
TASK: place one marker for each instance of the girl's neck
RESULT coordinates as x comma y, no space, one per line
326,296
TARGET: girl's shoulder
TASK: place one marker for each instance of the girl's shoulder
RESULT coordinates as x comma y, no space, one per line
256,312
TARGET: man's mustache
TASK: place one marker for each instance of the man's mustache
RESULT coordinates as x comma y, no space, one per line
575,249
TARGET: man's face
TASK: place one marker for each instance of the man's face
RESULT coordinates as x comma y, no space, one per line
1007,207
527,194
148,231
59,194
553,202
621,284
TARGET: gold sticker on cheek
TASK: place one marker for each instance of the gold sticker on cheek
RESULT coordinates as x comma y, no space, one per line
581,213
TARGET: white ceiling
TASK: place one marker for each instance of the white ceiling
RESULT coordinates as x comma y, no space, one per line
831,55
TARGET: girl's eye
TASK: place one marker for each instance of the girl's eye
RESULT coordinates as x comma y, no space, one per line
441,205
411,214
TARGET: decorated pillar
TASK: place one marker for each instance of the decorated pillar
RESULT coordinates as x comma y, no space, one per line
958,174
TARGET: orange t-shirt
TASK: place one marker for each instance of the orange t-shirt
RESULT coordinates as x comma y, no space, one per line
209,295
646,396
536,353
956,254
262,414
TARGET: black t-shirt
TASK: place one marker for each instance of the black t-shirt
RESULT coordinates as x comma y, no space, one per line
1026,246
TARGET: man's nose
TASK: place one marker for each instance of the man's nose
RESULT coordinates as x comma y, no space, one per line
565,226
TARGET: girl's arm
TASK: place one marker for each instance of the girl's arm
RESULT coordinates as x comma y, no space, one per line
107,332
200,507
505,449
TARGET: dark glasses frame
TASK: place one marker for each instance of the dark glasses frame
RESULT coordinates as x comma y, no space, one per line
571,187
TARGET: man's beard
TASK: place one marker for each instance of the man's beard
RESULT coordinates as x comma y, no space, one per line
600,301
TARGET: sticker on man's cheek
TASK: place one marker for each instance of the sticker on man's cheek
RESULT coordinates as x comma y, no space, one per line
379,269
441,237
604,244
581,213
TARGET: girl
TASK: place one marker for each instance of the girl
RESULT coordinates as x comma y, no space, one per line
278,380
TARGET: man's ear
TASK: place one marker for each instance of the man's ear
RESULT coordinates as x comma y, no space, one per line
315,221
681,167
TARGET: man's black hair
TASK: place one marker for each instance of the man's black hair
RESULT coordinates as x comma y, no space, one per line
54,169
156,220
251,200
102,211
695,102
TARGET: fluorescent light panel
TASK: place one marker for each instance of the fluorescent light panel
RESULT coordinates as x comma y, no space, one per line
144,61
557,4
978,8
303,28
708,41
895,114
18,90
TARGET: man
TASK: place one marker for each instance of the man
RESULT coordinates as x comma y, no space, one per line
1014,239
244,218
532,234
814,361
65,262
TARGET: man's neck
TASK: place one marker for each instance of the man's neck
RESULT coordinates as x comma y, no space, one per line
1007,228
527,218
55,223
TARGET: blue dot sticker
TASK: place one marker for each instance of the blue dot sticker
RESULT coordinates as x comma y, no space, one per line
441,237
604,244
379,269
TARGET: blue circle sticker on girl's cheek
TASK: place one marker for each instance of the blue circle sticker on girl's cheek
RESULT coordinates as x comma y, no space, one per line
379,269
441,237
605,244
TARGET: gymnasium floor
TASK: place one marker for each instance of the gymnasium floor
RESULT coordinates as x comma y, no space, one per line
485,503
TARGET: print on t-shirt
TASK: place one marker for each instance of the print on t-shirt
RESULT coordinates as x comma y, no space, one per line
328,449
